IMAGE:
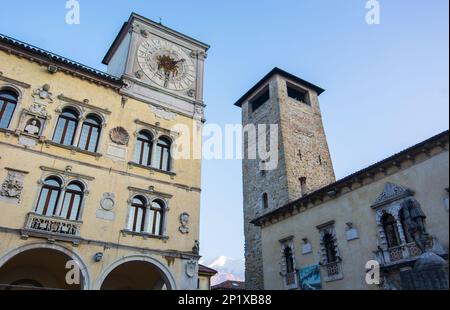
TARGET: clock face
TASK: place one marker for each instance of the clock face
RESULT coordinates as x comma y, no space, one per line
166,64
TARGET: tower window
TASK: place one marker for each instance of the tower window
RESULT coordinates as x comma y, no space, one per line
260,100
265,199
297,94
330,250
303,187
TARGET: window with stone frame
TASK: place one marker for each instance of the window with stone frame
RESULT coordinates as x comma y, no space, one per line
63,200
288,264
260,99
90,133
137,214
390,230
297,93
8,104
329,252
143,149
66,127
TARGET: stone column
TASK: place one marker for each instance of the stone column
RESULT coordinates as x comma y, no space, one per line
154,163
62,195
147,219
401,233
77,133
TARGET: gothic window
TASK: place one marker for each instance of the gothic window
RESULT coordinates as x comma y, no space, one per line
265,199
289,259
156,217
8,103
136,218
260,100
90,133
330,250
72,201
49,196
66,127
390,230
163,154
143,150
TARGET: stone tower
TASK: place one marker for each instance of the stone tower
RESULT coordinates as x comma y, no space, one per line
304,162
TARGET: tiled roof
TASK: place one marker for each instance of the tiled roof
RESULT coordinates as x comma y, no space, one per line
58,59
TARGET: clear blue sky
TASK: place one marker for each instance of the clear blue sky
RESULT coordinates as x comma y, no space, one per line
387,85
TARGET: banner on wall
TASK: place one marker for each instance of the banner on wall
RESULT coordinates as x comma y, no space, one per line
310,278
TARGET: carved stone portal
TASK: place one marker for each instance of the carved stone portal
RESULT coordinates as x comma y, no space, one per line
13,185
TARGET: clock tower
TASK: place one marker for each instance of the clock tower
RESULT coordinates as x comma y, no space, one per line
159,66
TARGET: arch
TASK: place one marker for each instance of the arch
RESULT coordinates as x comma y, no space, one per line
86,281
12,87
165,272
91,129
70,106
163,153
67,126
9,101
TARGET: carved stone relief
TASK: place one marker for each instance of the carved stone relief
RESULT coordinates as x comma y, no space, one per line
12,186
184,221
108,201
162,113
191,268
119,135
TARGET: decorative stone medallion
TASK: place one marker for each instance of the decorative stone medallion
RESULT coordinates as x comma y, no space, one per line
108,201
119,135
190,268
184,220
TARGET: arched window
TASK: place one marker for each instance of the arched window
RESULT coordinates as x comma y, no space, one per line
289,259
156,217
136,219
49,196
143,150
390,230
66,126
163,154
72,201
265,200
8,103
90,133
330,250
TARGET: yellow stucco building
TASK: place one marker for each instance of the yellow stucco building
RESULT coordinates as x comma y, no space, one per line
88,179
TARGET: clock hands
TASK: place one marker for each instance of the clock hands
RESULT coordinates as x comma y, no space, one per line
169,66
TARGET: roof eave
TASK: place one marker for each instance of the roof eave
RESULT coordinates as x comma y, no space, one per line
268,76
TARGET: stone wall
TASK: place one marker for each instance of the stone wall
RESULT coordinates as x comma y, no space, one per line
300,128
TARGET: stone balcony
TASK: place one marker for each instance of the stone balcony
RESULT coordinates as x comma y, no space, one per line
398,254
333,271
290,280
52,225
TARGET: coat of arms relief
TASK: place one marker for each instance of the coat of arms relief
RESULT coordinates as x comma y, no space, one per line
12,186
